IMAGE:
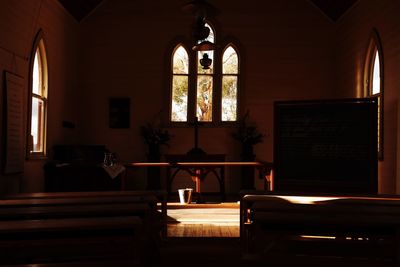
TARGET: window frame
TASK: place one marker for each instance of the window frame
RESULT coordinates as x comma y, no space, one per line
238,78
38,45
217,81
171,79
375,47
213,75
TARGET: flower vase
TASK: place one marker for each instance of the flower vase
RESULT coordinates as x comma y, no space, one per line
153,173
247,173
247,153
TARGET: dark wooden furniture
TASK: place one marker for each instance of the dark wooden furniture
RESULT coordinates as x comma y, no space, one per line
102,203
71,239
363,228
197,172
265,169
79,168
85,263
326,146
54,226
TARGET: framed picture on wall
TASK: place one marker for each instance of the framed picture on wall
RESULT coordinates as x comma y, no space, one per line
119,113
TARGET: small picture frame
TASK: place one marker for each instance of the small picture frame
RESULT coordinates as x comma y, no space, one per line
119,113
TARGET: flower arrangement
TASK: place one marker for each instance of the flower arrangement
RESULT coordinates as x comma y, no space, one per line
154,136
247,135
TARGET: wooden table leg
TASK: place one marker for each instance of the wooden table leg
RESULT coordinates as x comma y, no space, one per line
197,180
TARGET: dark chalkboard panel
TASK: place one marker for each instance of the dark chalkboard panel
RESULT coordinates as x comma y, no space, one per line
326,146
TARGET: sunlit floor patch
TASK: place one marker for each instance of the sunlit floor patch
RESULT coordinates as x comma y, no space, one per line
204,221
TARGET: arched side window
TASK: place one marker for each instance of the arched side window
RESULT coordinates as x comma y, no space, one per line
208,92
230,82
180,85
38,100
374,82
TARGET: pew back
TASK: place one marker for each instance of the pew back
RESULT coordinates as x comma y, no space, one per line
94,198
363,227
118,224
71,239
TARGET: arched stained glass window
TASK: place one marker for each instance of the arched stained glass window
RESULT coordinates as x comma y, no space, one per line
38,112
180,84
205,83
208,92
230,74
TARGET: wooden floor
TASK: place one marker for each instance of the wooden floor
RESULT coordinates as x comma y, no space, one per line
203,220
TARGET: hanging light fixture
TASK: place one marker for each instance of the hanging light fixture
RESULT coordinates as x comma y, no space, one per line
205,46
199,29
200,32
200,7
205,62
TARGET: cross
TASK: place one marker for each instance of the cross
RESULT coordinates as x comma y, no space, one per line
196,150
196,132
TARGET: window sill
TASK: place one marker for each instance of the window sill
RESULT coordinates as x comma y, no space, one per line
36,156
232,124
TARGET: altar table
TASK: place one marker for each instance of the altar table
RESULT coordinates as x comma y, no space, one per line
198,171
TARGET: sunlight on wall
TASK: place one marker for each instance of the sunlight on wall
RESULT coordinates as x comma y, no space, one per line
398,150
359,80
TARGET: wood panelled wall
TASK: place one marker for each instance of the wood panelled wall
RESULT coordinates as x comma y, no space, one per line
289,50
353,34
20,21
285,47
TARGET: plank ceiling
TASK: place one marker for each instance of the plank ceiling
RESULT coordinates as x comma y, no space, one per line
79,9
333,9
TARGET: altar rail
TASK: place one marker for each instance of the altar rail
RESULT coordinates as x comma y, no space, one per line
198,169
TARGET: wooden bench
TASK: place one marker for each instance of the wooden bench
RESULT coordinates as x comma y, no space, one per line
76,207
364,228
85,263
103,198
72,239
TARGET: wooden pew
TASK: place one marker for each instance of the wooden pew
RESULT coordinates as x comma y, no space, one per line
90,206
93,194
354,228
86,263
95,198
71,239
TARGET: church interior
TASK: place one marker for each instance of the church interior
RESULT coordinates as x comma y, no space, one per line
199,132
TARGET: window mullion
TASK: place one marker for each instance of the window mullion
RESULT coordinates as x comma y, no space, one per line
192,88
217,87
